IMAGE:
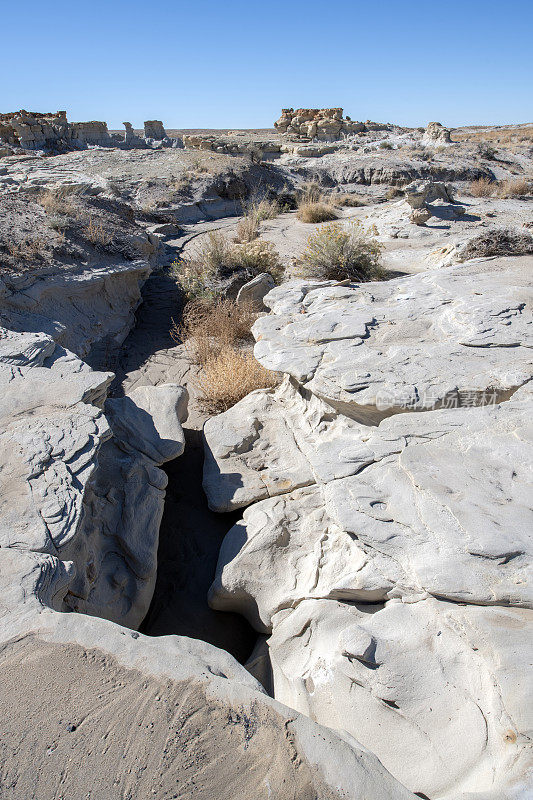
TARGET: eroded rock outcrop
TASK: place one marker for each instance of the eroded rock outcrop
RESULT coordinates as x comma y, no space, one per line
436,133
389,567
79,529
324,124
81,498
453,338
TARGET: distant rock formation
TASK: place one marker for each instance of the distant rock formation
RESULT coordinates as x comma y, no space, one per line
436,133
324,124
153,129
27,130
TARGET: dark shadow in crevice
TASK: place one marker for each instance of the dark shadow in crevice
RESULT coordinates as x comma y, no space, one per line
189,542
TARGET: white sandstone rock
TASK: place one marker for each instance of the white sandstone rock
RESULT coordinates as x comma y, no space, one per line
254,291
437,690
458,337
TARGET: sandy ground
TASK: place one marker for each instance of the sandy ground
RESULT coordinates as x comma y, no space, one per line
76,725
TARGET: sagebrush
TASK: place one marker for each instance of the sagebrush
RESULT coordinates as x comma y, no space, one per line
339,253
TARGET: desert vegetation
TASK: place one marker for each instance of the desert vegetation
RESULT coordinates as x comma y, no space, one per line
498,242
349,200
255,212
314,206
483,187
218,259
218,337
339,253
230,376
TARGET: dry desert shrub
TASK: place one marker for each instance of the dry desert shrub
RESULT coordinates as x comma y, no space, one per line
247,229
316,212
256,257
337,253
519,187
349,200
394,192
313,206
498,242
256,211
31,249
218,258
58,199
207,328
229,376
96,233
482,187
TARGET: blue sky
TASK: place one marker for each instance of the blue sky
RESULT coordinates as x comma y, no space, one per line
232,63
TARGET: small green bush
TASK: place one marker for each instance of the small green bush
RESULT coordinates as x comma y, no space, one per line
338,253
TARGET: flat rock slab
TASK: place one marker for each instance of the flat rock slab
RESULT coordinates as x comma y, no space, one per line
459,337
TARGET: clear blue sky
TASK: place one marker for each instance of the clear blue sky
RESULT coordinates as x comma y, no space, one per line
231,63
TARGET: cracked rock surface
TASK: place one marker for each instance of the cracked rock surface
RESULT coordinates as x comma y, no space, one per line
388,566
454,337
91,707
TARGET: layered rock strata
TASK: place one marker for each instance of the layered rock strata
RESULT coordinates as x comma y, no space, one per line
388,566
52,132
324,124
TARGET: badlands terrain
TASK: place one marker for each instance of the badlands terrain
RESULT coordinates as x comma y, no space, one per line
299,571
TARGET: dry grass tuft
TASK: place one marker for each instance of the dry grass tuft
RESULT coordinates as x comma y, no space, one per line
314,206
229,376
514,188
247,229
483,187
31,249
349,200
337,253
96,233
256,211
58,200
394,192
316,212
208,328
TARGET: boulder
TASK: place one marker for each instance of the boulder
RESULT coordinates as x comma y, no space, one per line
368,495
419,216
388,566
254,291
436,133
418,193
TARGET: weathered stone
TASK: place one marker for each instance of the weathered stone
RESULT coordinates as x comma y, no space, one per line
153,129
418,193
436,133
349,536
437,690
458,337
419,216
254,291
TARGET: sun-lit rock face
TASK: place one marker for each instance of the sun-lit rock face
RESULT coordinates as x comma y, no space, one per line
388,566
321,123
458,337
